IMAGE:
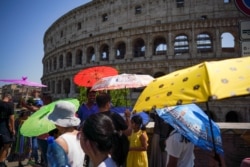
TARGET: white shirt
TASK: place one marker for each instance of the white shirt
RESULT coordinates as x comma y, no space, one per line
181,150
75,152
108,162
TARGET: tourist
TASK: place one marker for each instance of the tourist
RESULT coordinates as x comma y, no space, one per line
7,127
98,138
63,116
88,108
138,144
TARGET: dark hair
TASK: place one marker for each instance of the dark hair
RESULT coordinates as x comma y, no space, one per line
7,95
100,129
89,90
102,99
137,119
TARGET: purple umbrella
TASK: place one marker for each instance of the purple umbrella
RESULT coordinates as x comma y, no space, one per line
23,82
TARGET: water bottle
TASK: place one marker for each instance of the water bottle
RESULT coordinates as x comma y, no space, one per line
56,156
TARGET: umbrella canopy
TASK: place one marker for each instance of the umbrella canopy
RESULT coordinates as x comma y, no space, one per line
88,77
122,81
24,81
200,83
120,110
190,121
38,122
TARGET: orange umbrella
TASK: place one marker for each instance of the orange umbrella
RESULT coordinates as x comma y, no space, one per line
89,76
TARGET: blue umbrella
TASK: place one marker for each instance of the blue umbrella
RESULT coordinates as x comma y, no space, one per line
190,121
120,110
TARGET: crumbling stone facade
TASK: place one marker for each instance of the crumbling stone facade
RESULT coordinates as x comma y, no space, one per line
153,37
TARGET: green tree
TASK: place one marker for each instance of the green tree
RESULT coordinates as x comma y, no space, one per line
119,96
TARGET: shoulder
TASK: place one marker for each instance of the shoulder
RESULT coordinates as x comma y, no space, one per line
143,134
61,141
108,162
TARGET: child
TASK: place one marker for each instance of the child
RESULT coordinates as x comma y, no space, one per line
137,155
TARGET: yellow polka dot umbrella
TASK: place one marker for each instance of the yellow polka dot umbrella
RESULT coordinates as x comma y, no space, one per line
200,83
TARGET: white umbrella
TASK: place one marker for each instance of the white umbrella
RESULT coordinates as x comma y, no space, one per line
122,81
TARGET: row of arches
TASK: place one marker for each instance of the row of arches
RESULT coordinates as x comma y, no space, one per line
160,46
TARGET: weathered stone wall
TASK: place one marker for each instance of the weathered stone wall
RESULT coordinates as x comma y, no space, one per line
88,29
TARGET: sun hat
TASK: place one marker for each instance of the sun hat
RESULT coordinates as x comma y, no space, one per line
64,114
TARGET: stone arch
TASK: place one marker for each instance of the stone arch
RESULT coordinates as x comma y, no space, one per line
227,42
59,87
53,86
66,86
159,74
120,50
232,116
50,64
139,47
104,52
204,42
61,61
55,63
69,59
90,54
181,44
159,46
79,56
47,66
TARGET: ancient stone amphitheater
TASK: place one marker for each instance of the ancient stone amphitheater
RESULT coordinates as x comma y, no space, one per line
153,37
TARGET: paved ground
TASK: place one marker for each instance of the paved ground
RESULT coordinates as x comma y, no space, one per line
15,164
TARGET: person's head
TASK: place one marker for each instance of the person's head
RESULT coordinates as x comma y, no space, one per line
46,98
91,95
99,137
7,97
137,123
24,114
63,115
35,93
103,100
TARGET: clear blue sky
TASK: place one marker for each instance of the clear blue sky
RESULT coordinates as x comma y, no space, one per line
23,24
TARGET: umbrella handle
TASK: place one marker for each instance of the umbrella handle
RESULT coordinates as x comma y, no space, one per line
217,158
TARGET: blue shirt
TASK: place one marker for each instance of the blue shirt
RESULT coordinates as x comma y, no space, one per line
84,111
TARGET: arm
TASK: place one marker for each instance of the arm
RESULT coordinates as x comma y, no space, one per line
12,124
30,108
172,162
128,131
62,143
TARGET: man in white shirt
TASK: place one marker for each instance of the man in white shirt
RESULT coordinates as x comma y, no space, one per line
180,151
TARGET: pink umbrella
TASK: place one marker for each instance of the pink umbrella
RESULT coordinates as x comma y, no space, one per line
23,82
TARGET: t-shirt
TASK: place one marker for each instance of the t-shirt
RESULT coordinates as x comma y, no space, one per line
118,121
182,150
108,162
6,110
84,111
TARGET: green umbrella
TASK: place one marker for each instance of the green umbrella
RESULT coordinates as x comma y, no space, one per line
38,122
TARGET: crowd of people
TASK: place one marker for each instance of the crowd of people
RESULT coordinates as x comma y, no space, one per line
92,136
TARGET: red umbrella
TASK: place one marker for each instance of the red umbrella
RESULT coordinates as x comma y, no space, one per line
89,76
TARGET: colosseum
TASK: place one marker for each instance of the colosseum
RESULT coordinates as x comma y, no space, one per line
152,37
